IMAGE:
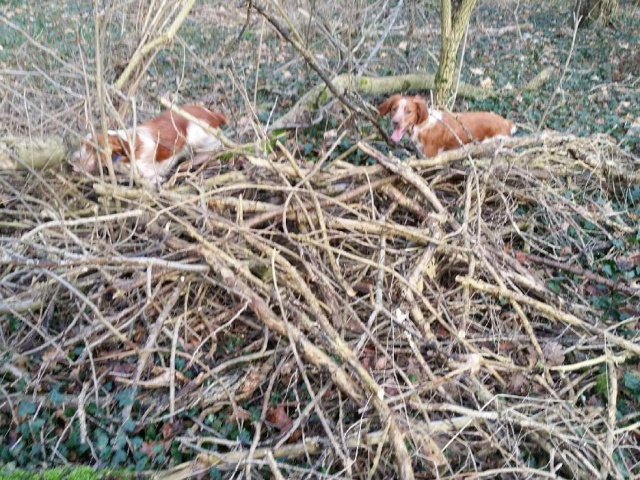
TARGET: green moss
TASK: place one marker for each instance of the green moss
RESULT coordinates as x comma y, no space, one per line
66,473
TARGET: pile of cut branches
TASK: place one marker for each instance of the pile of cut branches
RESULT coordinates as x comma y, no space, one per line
275,317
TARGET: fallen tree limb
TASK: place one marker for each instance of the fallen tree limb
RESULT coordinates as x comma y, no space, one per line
22,153
301,113
496,32
539,80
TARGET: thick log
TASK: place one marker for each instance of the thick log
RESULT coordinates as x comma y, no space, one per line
302,113
21,153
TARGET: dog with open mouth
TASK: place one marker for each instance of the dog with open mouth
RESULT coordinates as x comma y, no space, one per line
434,131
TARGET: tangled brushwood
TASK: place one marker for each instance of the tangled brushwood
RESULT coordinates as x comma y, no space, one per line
475,312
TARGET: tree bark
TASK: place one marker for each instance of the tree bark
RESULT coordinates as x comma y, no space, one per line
453,28
596,11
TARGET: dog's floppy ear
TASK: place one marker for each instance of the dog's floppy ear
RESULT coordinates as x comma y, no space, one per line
219,118
214,119
422,112
118,146
386,106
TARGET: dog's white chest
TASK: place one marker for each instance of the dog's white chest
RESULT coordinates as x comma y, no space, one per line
435,117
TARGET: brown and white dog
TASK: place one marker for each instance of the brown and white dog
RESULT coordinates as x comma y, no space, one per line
434,131
157,145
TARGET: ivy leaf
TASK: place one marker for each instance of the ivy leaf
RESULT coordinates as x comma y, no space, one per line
56,397
102,440
632,382
26,408
37,424
125,397
608,269
128,426
119,458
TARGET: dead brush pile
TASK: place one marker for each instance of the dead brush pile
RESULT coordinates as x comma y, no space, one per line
274,318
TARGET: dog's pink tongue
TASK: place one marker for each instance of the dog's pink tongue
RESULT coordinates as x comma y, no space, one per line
397,134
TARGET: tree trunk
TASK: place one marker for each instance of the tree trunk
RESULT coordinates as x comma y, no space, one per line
446,72
596,11
453,28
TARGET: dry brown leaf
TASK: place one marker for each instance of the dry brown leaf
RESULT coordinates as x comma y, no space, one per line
75,373
594,401
366,358
149,448
169,429
278,418
532,357
507,346
553,354
431,450
518,383
51,354
522,257
592,290
566,250
238,413
381,363
486,83
287,371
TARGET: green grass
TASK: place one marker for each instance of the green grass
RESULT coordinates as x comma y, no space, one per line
66,473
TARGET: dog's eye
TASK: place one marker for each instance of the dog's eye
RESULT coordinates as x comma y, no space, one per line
409,110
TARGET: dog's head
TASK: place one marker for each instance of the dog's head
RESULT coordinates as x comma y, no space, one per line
406,112
86,158
94,150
